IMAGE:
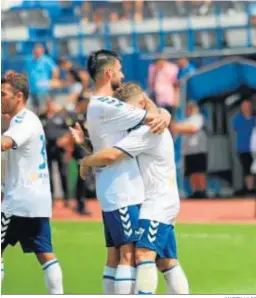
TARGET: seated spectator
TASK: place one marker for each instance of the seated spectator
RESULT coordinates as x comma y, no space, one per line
243,125
252,11
137,11
194,149
161,78
201,7
185,68
41,70
193,7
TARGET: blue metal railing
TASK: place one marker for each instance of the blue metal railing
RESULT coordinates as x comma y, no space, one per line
189,32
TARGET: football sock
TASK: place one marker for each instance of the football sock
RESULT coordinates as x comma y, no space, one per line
53,277
109,280
146,278
125,279
176,280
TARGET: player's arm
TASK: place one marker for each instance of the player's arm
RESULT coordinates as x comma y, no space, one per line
17,135
103,158
136,142
7,143
132,145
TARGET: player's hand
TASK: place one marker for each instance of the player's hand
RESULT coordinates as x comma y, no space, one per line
77,134
84,170
158,124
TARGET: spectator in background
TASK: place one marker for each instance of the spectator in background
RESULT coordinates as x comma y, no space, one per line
243,125
194,149
162,78
55,122
194,7
84,189
41,70
67,65
137,11
185,68
75,87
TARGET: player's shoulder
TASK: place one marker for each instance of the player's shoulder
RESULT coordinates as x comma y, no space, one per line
22,117
104,106
106,101
27,117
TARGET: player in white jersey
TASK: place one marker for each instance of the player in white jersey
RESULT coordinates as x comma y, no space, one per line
119,188
27,204
155,154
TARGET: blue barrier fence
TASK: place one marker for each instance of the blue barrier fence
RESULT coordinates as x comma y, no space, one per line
188,29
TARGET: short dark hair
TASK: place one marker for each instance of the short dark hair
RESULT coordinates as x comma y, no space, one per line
18,82
98,59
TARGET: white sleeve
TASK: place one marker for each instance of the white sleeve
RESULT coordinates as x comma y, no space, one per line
20,133
137,141
120,116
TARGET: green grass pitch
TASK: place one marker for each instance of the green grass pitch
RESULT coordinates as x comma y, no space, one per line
218,259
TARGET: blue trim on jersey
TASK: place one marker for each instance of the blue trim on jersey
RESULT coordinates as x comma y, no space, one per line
124,279
109,277
125,152
49,265
169,269
20,116
145,262
18,121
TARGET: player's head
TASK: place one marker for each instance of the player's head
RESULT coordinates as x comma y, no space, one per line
14,92
132,94
38,50
105,66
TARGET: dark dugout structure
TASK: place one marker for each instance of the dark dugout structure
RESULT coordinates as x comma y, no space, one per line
219,89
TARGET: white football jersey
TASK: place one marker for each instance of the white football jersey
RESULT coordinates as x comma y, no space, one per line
27,187
155,155
108,120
